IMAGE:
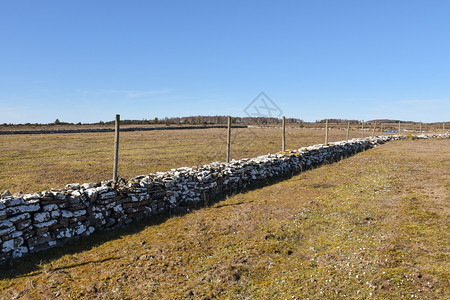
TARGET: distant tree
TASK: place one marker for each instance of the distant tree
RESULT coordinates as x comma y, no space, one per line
57,122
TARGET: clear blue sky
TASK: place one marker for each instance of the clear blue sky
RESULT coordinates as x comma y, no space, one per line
88,60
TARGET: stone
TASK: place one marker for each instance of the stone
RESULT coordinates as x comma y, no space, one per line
63,233
45,224
42,247
88,185
12,244
79,213
107,195
76,194
79,229
60,196
19,251
90,230
46,196
91,193
29,197
13,201
73,186
12,235
78,219
118,209
41,217
22,208
34,241
5,224
6,194
7,231
50,207
102,189
41,230
20,218
23,224
66,214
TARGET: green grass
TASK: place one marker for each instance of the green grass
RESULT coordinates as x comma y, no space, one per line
372,226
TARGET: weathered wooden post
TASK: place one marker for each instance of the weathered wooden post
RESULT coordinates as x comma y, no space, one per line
381,128
228,139
443,127
373,131
326,132
283,135
362,129
420,127
116,148
399,127
348,130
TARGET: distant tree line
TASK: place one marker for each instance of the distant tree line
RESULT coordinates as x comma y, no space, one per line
217,120
191,120
389,121
342,121
211,120
339,121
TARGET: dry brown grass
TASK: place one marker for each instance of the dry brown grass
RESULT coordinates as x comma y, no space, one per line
374,225
31,163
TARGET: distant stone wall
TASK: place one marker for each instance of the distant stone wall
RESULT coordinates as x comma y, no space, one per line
37,222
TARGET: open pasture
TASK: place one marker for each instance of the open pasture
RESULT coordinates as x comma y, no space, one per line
374,225
31,163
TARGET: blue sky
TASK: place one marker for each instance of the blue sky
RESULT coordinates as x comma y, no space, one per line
85,61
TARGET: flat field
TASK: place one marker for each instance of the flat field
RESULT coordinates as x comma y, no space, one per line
32,163
374,225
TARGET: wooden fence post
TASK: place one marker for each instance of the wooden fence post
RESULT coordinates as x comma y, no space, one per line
381,128
362,129
116,148
420,127
326,132
228,139
374,127
348,130
283,135
399,127
443,127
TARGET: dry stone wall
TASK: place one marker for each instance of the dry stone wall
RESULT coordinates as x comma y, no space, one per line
36,222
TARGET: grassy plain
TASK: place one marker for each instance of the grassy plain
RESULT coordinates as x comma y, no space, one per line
372,226
31,163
